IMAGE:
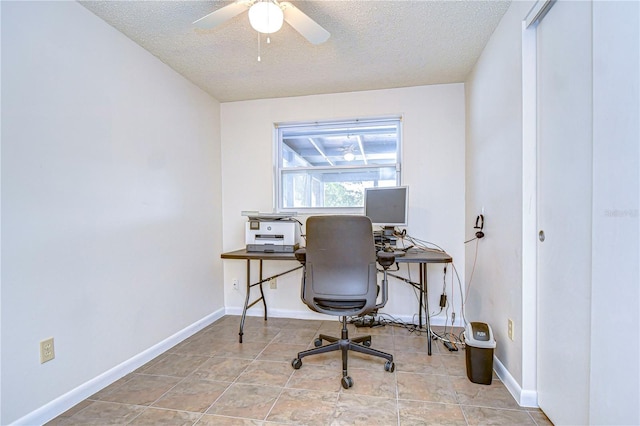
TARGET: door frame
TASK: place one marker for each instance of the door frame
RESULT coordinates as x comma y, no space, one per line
528,392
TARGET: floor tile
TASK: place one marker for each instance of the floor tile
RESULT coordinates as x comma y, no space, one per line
142,389
316,377
373,382
192,394
360,360
540,418
224,334
105,413
75,409
157,416
410,344
292,335
304,407
382,342
248,401
296,323
494,395
418,413
332,359
268,373
419,362
113,386
493,416
455,365
246,350
284,352
203,345
222,369
177,365
365,410
425,387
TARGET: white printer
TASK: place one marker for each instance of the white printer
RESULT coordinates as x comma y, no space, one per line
271,233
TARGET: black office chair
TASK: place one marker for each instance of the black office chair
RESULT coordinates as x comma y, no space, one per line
340,279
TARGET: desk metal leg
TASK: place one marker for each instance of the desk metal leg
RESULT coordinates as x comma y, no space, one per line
264,301
247,305
260,282
421,296
246,301
423,281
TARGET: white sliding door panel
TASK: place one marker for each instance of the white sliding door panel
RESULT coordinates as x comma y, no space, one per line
564,111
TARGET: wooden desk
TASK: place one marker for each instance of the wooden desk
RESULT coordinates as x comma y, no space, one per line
421,256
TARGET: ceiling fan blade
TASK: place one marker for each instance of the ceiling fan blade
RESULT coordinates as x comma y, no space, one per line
221,15
303,24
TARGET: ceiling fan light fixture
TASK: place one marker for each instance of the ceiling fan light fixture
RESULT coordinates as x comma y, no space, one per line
349,156
266,17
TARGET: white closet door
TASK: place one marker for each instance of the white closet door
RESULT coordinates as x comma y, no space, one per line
564,90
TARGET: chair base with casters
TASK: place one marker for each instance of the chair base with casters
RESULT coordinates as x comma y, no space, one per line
345,344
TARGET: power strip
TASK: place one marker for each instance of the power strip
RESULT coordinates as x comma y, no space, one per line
367,321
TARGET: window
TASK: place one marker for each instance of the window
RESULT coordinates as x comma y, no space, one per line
325,166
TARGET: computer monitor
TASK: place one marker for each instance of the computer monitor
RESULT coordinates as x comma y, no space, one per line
387,206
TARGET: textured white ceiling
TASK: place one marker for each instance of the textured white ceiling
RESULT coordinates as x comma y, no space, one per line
373,45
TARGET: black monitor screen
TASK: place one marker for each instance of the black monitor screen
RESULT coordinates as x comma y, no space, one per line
387,206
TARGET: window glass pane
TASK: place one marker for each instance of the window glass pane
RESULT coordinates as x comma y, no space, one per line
332,188
323,166
339,146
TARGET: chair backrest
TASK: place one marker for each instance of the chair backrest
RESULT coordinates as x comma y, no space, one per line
340,269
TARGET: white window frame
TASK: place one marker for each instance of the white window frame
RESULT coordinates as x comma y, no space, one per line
279,170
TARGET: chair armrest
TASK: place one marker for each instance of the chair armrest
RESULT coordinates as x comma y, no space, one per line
385,259
301,255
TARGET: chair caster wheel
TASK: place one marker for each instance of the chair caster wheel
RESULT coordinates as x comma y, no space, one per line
389,366
347,382
317,343
296,363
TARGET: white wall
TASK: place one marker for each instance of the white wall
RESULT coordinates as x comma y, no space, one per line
433,168
494,182
111,201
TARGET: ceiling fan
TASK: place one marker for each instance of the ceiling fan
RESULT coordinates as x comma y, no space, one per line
266,16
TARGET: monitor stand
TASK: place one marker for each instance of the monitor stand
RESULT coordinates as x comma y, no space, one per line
388,231
389,241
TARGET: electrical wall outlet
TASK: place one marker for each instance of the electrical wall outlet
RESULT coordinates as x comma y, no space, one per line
47,352
510,328
235,284
273,283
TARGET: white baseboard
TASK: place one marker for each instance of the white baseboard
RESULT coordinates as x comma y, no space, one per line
279,313
524,397
64,402
309,314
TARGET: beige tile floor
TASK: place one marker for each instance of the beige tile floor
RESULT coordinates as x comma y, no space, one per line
211,379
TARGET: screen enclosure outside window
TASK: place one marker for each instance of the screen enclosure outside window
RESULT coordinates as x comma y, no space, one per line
324,167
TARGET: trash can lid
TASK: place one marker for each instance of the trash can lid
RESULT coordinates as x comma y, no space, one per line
479,335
